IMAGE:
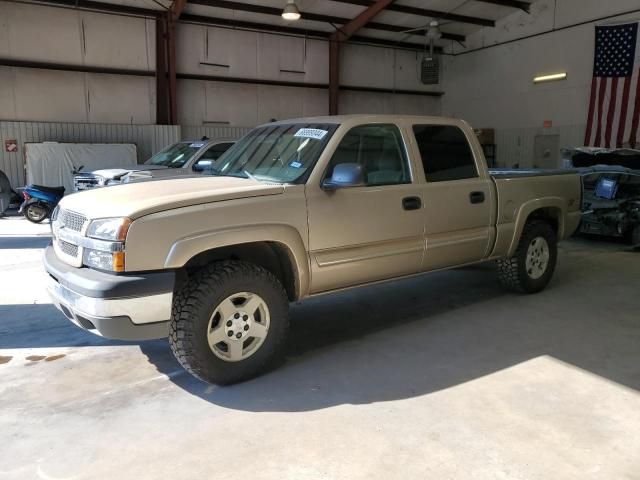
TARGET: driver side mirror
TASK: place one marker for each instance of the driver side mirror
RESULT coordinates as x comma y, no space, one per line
345,175
202,165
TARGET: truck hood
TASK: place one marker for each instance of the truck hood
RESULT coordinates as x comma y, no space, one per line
135,200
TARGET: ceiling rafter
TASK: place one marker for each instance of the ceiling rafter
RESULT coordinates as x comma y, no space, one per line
510,3
425,12
289,30
223,22
342,35
93,5
176,9
363,19
263,9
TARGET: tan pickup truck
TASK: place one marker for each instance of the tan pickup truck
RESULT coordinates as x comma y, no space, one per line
295,209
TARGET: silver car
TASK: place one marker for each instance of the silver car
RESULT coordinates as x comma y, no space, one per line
181,158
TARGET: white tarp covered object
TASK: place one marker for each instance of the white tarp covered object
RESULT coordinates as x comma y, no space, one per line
51,164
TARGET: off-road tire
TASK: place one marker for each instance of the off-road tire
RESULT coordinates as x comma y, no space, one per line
512,271
196,301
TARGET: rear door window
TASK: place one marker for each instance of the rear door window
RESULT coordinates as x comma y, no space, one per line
445,151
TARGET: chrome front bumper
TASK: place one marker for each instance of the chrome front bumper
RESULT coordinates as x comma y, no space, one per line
118,307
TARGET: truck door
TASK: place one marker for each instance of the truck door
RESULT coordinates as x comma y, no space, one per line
370,232
457,195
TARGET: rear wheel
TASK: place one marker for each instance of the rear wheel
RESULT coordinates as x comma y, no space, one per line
229,323
36,212
534,262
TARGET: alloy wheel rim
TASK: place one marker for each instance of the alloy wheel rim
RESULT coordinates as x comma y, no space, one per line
238,326
537,258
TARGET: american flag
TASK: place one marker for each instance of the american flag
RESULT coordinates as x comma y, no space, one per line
614,105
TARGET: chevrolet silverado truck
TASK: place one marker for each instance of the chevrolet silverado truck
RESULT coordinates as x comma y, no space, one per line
181,158
297,209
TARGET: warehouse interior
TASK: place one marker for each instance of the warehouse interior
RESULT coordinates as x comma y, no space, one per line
443,375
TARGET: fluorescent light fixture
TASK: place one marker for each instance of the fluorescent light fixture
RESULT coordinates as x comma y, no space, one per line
550,78
291,11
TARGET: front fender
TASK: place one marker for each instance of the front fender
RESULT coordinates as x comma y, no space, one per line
186,248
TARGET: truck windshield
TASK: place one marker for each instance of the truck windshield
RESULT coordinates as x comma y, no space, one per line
176,155
278,153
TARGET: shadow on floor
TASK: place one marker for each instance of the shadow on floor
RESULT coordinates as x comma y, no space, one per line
411,337
418,336
43,326
31,241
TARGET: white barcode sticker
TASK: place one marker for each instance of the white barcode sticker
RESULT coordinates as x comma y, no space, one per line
314,133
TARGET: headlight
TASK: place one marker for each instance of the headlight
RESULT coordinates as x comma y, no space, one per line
113,261
109,229
106,251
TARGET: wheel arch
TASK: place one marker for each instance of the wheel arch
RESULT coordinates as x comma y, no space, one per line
551,210
278,249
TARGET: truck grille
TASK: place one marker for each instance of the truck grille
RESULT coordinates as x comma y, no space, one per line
66,220
71,220
68,248
86,182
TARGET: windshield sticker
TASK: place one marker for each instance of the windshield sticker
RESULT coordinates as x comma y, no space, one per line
295,164
314,133
196,145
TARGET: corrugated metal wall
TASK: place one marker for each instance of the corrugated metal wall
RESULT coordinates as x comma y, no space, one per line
198,131
148,139
516,145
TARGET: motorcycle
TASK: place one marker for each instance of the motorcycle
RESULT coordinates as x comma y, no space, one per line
39,201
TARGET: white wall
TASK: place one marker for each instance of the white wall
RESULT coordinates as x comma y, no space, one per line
72,37
254,55
493,87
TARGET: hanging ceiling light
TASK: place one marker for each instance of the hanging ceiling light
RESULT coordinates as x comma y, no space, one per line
291,11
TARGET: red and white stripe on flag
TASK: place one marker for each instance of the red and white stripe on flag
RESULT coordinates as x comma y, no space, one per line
614,104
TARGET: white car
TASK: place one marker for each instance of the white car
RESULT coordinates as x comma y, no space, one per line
181,158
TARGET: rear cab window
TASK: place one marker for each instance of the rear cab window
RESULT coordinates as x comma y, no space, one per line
215,151
445,152
379,149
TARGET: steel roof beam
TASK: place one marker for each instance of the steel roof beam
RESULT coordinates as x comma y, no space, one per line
425,12
510,3
316,17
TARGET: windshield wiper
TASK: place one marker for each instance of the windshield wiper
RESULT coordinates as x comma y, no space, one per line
250,176
243,174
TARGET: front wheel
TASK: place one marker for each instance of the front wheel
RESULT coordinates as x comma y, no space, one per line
534,262
36,212
229,322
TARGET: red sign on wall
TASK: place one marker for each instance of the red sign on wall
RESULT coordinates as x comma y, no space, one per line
547,124
11,146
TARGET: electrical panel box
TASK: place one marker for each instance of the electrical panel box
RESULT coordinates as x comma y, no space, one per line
430,71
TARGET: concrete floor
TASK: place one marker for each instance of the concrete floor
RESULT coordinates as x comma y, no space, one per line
441,377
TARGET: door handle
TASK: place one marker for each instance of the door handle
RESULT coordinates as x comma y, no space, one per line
476,197
411,203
